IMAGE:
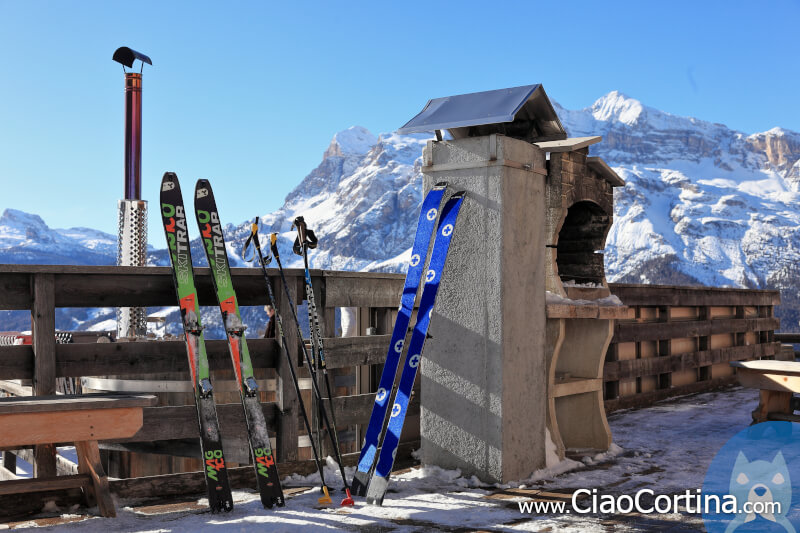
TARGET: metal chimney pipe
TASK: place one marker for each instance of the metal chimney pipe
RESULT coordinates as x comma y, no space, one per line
133,136
132,239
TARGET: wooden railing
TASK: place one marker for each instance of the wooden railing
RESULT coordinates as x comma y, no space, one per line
674,340
679,340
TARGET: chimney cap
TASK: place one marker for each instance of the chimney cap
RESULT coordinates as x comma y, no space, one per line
127,56
521,112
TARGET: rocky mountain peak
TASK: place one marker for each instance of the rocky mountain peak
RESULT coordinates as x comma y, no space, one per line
618,107
355,140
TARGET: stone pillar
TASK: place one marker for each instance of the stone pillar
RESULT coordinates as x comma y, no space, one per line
483,387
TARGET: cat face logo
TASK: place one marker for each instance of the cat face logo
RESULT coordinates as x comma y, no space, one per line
414,361
380,395
431,214
398,346
202,192
761,482
167,186
430,275
414,260
447,230
395,410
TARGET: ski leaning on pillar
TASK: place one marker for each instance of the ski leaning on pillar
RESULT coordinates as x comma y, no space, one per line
419,255
173,215
444,234
269,485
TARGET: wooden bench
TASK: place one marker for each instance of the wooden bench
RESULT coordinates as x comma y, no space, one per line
79,419
777,381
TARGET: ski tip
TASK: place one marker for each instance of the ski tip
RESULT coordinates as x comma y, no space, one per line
348,501
169,182
440,185
326,499
459,194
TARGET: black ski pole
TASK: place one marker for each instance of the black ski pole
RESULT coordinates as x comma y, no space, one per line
279,323
307,239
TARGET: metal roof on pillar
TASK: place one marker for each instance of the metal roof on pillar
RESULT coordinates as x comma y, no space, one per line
520,112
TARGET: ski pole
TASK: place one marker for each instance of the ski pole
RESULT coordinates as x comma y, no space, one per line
307,239
348,500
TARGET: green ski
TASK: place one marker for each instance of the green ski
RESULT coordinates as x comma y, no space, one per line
269,485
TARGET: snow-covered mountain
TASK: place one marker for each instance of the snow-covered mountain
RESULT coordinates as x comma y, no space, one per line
702,204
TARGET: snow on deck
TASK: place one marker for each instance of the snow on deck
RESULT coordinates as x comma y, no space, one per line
666,448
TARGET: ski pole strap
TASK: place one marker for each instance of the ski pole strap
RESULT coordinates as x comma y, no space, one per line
256,254
253,237
305,237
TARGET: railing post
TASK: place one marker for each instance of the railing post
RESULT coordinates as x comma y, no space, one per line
43,325
287,445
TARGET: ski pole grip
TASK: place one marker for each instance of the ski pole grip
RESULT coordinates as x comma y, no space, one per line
273,244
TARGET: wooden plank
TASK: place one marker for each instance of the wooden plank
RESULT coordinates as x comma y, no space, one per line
157,487
15,291
649,331
789,338
567,145
363,291
357,409
16,362
769,381
89,463
121,358
567,310
93,286
345,352
180,422
68,426
789,368
572,386
73,402
651,366
654,295
43,324
25,486
649,398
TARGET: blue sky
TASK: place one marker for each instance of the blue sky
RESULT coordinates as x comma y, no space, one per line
249,94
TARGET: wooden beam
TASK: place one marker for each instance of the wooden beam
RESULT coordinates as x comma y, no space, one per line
25,486
89,463
156,487
654,295
648,398
355,351
180,422
651,331
651,366
363,291
46,428
43,325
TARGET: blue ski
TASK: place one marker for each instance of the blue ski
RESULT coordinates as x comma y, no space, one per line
419,255
380,479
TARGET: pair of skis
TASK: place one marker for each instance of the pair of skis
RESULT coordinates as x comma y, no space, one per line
317,358
372,479
174,219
